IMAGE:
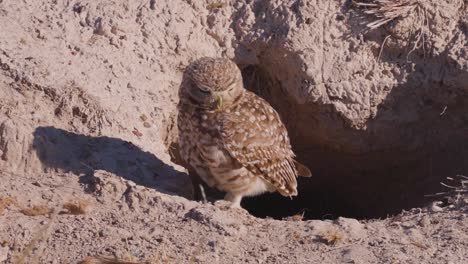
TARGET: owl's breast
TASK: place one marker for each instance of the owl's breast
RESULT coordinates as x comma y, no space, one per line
198,137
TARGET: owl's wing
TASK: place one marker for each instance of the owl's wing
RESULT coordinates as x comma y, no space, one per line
254,135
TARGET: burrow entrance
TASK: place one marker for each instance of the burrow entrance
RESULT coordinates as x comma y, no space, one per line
363,174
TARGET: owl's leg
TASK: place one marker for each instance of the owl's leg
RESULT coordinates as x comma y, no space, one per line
235,200
231,201
197,185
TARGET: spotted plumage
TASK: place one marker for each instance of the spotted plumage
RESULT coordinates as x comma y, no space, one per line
233,139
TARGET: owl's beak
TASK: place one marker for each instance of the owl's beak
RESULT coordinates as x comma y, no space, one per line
220,102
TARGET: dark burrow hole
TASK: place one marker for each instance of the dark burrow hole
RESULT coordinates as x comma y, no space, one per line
372,173
363,174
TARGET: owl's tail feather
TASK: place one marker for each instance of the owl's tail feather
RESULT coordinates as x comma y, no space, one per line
302,170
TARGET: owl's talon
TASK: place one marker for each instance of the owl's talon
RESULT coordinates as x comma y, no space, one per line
227,205
223,204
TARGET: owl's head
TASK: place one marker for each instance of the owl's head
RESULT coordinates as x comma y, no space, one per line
211,82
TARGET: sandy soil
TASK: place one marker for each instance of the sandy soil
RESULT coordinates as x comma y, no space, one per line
88,91
136,223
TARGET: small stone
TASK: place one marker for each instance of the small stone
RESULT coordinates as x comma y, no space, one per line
200,258
114,30
436,208
3,254
212,243
424,221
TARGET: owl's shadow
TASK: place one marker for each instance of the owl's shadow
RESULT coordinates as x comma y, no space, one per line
61,150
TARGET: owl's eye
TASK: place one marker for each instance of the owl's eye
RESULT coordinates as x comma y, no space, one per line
204,90
231,86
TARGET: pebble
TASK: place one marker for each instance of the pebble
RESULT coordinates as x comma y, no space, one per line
425,221
212,244
3,254
436,208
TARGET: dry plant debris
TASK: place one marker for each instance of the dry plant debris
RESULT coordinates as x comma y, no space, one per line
143,117
36,247
215,5
137,133
419,245
296,217
37,210
5,202
332,236
386,10
76,207
457,190
106,260
33,211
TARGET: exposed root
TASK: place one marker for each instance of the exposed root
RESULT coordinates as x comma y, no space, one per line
382,47
420,36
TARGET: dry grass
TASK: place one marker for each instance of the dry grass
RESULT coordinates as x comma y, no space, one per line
385,11
160,259
73,207
419,245
332,236
5,202
37,210
296,217
457,190
215,5
35,249
77,207
106,260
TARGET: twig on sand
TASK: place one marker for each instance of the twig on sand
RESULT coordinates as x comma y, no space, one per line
382,47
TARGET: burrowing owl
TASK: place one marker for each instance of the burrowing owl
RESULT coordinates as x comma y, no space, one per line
233,139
